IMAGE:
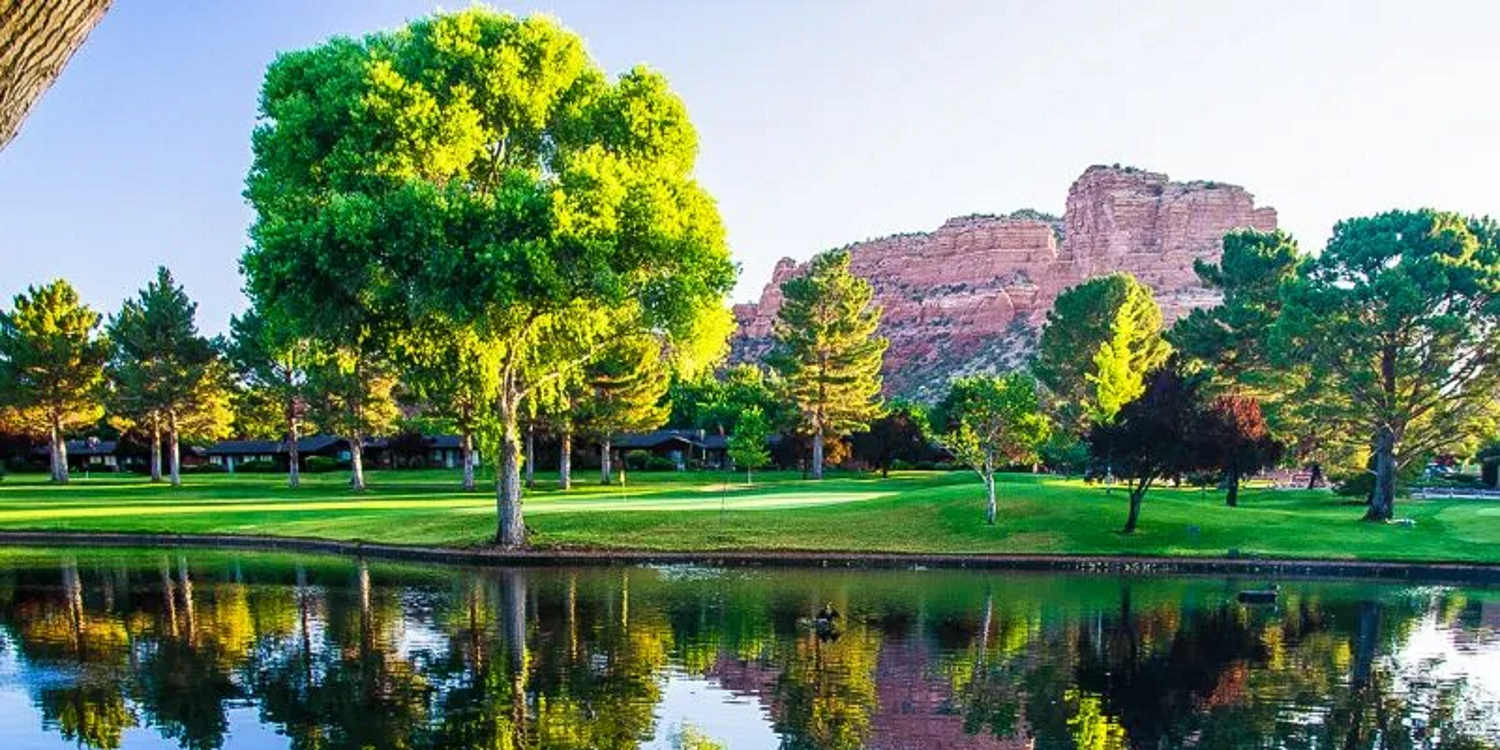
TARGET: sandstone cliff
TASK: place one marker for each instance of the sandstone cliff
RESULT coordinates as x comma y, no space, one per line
971,295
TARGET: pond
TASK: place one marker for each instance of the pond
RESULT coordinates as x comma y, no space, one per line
207,649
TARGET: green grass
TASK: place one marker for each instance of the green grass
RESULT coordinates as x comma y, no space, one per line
909,512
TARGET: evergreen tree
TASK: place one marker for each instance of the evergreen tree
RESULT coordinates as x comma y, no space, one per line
1100,339
271,365
51,368
448,374
624,391
166,371
827,351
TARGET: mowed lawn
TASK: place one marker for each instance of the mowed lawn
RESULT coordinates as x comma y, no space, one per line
908,512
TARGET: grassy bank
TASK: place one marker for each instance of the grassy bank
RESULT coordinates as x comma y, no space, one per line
909,512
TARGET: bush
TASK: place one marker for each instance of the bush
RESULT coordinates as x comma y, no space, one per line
660,463
203,469
322,464
259,466
636,460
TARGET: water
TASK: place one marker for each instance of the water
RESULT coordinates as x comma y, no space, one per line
197,649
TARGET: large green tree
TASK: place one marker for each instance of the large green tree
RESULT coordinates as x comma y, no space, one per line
51,367
1100,339
827,351
481,167
271,364
167,372
1397,323
989,421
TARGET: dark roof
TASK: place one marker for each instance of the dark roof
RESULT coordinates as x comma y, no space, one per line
309,444
656,438
81,448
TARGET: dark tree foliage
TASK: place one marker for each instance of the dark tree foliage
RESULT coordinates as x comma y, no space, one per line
1233,434
900,435
1155,436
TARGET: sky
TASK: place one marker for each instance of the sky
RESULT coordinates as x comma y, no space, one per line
820,123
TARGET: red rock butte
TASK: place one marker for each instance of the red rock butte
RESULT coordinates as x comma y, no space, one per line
972,295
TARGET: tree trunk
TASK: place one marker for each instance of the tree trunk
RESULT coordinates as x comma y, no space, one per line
174,454
39,38
622,468
1136,495
466,447
512,528
604,467
1383,498
989,487
817,455
357,462
1232,480
59,451
293,454
749,478
565,459
155,449
1314,476
530,456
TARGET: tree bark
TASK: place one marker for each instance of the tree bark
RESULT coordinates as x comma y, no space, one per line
1232,480
1136,495
155,449
565,459
1314,475
604,467
466,447
293,454
990,511
59,451
174,456
512,529
1383,497
357,462
530,456
817,455
40,36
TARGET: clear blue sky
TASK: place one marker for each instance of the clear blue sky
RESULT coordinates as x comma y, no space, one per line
820,123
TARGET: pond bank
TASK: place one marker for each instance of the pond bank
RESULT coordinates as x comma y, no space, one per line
1431,572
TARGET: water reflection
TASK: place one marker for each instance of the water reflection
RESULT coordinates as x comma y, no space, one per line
207,650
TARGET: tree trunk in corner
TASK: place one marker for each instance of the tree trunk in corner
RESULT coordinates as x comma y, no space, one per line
565,459
59,454
174,456
817,455
1136,494
512,528
293,455
604,467
155,449
40,36
1232,479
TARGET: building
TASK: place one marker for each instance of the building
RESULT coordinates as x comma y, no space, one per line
231,453
398,452
683,447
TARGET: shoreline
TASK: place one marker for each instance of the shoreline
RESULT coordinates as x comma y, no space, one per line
1415,571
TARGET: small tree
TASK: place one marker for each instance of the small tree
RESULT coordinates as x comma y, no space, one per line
271,365
1154,436
51,368
989,421
351,397
900,435
827,350
449,376
747,446
624,391
1235,437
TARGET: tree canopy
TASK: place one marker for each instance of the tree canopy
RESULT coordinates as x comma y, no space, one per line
827,351
481,167
51,367
1100,339
1397,324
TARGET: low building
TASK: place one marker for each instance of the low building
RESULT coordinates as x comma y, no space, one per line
434,450
88,455
682,447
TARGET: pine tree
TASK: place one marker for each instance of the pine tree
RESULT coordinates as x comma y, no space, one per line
168,374
827,350
51,367
625,391
272,368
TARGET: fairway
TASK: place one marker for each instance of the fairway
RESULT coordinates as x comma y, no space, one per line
907,512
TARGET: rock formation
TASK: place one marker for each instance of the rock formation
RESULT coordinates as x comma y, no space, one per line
972,295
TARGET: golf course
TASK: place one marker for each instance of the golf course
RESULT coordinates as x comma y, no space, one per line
911,512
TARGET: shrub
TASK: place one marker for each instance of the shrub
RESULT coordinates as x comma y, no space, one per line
322,464
204,469
259,466
660,463
636,460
